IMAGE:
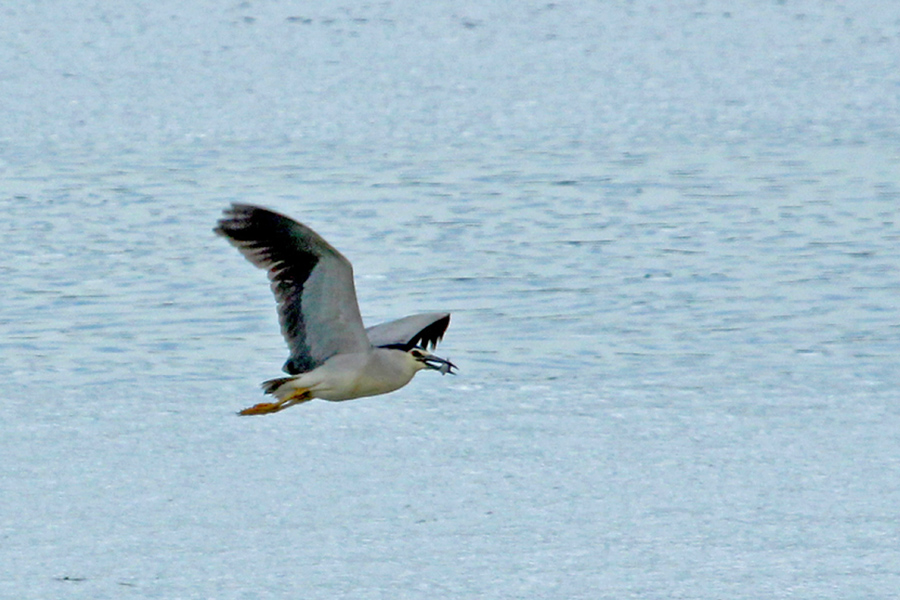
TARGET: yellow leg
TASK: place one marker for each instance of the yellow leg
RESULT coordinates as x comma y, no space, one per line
263,408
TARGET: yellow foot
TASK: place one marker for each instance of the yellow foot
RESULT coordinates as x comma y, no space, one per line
263,408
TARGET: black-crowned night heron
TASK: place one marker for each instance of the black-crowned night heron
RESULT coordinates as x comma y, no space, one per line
333,356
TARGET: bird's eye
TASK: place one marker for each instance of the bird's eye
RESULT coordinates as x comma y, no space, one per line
416,354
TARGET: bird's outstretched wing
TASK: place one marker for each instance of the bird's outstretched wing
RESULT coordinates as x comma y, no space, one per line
422,330
312,282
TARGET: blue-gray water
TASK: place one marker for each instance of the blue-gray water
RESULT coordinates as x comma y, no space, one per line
668,234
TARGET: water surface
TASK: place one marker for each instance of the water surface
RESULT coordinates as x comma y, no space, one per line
670,250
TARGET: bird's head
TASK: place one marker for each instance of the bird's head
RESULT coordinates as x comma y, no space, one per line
425,360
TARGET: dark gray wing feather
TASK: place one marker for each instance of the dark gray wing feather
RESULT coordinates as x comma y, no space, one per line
421,330
311,280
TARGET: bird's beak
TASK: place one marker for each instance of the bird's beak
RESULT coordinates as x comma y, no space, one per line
439,364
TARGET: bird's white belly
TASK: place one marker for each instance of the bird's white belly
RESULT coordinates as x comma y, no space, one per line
348,376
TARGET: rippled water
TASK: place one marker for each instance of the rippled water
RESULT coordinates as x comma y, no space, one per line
673,374
677,356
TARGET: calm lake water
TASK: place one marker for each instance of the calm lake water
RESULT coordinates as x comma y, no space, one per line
671,251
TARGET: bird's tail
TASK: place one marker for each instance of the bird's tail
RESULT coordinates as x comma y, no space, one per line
271,386
287,394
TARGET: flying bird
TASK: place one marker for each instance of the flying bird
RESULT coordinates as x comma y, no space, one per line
332,355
